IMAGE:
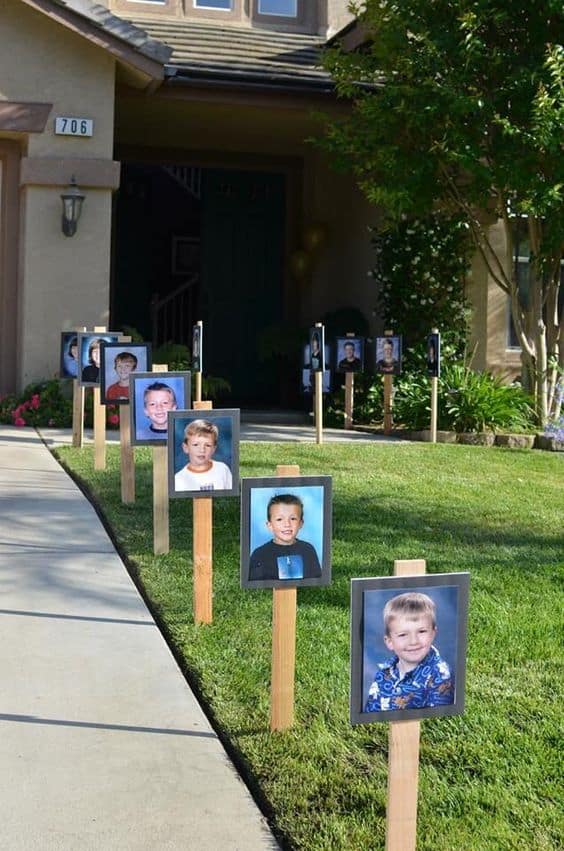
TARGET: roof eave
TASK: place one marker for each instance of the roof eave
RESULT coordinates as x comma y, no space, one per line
147,58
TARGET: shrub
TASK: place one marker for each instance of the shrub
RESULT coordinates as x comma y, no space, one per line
45,403
420,269
468,401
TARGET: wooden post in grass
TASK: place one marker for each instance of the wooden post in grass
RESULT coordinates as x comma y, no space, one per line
403,761
349,393
388,395
434,399
160,491
127,458
78,405
284,605
99,416
318,395
202,514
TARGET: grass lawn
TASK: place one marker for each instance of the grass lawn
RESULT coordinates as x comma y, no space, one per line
489,779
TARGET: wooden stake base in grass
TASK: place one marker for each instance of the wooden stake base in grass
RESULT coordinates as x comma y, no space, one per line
203,549
403,761
127,458
284,608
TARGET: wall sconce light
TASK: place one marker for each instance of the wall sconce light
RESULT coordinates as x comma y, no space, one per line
72,206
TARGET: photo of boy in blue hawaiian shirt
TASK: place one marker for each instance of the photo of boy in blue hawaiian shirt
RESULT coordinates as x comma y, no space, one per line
415,676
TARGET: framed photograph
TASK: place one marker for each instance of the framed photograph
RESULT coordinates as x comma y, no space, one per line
197,340
308,381
69,360
349,354
316,349
286,531
89,352
434,355
117,362
408,647
185,255
203,453
388,355
152,396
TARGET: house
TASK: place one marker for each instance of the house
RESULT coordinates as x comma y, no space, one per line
185,125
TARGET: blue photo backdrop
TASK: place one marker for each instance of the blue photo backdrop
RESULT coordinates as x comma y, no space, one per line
312,530
445,598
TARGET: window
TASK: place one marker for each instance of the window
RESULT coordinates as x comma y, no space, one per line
281,8
223,5
522,272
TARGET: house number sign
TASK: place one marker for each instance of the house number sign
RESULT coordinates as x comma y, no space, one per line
73,126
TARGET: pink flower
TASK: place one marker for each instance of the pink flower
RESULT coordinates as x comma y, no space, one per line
35,399
19,422
113,419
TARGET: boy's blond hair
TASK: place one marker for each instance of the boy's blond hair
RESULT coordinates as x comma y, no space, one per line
409,604
201,427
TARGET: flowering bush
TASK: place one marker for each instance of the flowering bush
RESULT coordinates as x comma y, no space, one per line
49,404
41,404
420,269
555,429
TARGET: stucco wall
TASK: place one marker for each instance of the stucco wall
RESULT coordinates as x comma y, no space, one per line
490,316
63,282
338,15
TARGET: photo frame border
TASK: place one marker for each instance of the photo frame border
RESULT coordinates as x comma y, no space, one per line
156,376
399,338
344,339
419,582
125,347
320,331
436,337
197,330
81,335
197,414
247,485
65,338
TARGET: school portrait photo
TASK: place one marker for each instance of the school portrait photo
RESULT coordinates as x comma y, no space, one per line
153,396
203,453
408,646
286,531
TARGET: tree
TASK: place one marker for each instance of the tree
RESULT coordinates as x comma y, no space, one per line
459,105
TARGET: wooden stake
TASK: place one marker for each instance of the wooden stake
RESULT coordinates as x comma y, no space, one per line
403,761
349,393
127,458
202,513
434,407
77,414
160,491
434,400
349,399
99,416
388,396
78,406
284,608
318,378
198,387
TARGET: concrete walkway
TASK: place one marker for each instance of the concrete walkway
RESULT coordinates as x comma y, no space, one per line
102,743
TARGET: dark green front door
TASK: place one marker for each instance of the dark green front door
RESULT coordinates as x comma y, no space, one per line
243,223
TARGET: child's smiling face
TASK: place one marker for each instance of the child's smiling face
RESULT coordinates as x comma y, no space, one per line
285,521
410,638
123,369
199,448
157,405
